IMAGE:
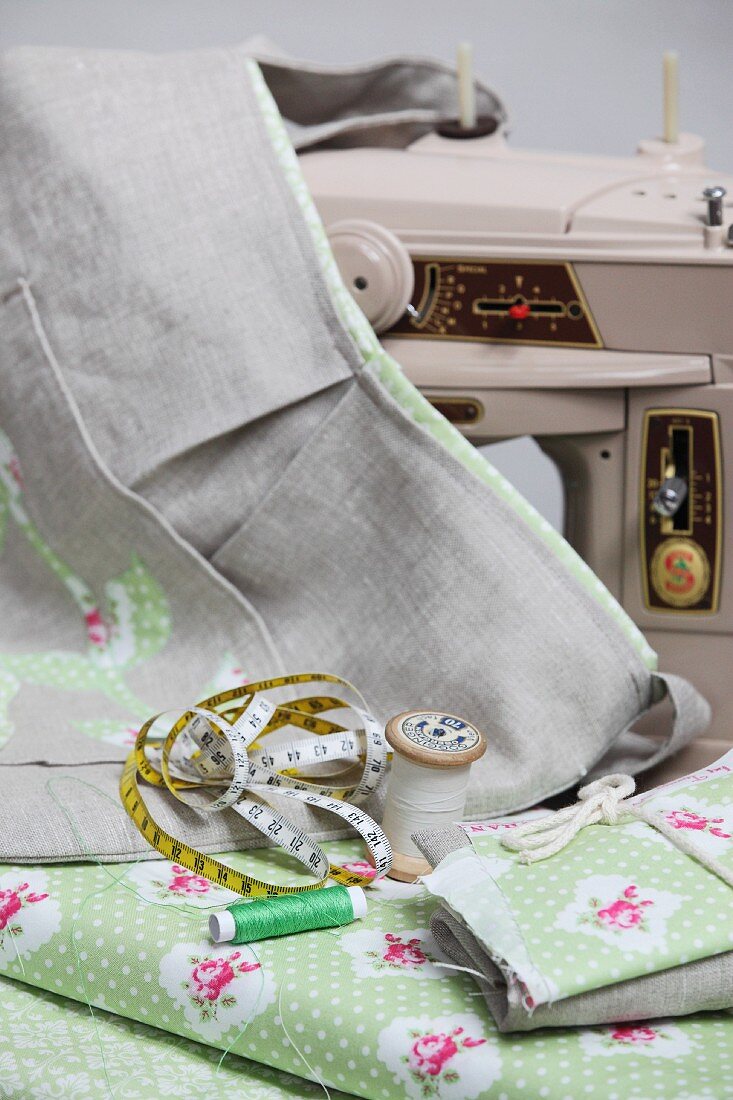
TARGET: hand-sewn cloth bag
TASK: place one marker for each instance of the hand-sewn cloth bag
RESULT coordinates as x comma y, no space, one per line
210,470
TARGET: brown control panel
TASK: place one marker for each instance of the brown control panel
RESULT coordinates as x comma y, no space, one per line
681,554
510,301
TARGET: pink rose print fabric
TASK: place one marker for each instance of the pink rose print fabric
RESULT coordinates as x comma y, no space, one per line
615,903
386,887
628,911
11,902
361,867
708,826
624,914
209,979
170,884
217,987
29,916
651,1040
688,819
409,953
97,629
444,1057
400,953
185,884
432,1055
633,1035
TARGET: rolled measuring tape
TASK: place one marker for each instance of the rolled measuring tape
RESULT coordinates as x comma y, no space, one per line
218,755
433,754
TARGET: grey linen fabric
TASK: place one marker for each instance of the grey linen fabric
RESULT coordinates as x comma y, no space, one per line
203,479
388,103
436,844
704,985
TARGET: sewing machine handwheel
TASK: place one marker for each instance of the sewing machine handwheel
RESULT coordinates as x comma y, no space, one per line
376,268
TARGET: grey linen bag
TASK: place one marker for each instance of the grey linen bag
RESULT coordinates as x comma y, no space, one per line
703,985
390,102
211,471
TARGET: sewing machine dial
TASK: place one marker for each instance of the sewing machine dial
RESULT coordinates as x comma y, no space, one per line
514,301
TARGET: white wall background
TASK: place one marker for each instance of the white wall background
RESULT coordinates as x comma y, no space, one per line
575,74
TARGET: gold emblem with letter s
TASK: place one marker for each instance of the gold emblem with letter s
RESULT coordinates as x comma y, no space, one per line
680,572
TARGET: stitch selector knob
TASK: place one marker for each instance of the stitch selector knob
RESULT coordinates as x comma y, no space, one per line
670,496
376,268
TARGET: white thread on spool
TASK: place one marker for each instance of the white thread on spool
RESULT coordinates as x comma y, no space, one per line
422,798
433,753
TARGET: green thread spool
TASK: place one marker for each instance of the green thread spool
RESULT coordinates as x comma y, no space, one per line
249,921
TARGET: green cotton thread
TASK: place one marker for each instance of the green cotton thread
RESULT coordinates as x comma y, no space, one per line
289,913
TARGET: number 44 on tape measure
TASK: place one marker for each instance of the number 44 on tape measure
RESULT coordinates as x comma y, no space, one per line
220,755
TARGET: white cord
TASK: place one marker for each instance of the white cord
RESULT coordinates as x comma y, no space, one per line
604,802
599,803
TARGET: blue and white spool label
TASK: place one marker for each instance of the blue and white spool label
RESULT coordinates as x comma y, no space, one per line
439,732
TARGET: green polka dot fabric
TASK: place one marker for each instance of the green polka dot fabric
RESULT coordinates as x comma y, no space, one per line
370,1010
53,1047
618,902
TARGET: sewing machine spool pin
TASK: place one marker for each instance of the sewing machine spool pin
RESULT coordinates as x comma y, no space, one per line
467,125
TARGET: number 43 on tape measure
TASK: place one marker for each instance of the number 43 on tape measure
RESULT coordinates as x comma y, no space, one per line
220,755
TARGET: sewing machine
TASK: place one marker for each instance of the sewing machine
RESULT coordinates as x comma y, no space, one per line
585,301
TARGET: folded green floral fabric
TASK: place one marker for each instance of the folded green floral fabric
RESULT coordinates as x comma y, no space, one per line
369,1009
701,986
620,903
52,1046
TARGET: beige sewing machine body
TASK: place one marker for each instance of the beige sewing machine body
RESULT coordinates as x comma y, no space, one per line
588,302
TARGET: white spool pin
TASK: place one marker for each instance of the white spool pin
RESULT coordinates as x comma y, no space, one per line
433,754
466,86
671,97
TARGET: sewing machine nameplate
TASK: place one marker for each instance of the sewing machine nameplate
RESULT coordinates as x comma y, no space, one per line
513,301
681,553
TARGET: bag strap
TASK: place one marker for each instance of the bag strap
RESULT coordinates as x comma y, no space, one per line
690,717
690,712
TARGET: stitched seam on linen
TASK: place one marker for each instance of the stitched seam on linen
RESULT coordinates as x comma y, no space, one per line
148,514
147,854
312,441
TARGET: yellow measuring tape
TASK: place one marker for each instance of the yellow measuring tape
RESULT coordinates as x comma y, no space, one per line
218,755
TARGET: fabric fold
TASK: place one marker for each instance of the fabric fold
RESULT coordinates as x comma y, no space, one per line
702,986
617,923
368,1008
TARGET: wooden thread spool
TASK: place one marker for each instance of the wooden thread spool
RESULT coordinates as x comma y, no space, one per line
433,753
